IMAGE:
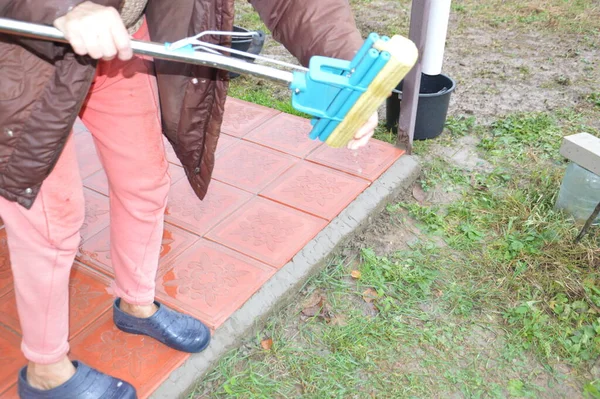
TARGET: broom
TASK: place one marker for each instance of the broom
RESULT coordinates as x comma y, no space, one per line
340,95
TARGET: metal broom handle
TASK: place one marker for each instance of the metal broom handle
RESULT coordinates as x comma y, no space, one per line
157,50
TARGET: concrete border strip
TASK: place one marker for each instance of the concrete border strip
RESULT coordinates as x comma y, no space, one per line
280,289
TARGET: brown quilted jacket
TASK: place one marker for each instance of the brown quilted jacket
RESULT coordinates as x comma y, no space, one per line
43,84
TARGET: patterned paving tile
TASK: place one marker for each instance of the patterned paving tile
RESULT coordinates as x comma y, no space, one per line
96,251
99,182
368,162
287,133
140,360
225,141
87,157
88,299
171,157
211,281
10,394
187,211
241,117
250,167
97,215
267,231
5,271
11,358
315,189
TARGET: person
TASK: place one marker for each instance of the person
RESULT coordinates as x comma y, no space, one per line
128,103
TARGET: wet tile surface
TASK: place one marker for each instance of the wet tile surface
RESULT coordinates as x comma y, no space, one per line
140,360
187,211
211,281
287,133
250,167
242,117
315,189
267,231
368,162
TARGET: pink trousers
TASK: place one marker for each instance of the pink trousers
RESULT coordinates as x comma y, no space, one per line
121,112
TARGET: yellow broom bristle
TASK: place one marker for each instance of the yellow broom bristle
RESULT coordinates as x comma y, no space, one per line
404,55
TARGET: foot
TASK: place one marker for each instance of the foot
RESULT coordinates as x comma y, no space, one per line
48,376
176,330
85,382
139,311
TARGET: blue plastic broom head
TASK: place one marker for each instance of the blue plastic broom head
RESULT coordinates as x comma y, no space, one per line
336,91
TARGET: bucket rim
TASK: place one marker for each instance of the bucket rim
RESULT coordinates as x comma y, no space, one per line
450,90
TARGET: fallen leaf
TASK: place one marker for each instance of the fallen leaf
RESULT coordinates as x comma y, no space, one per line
267,344
370,295
356,274
313,309
418,193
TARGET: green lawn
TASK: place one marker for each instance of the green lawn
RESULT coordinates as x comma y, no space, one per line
489,298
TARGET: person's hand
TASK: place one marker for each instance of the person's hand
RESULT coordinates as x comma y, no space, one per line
364,134
97,31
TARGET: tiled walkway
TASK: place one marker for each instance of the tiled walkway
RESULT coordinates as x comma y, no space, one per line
273,191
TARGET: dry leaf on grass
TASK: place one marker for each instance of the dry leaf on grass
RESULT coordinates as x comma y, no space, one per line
317,306
370,295
356,274
418,193
267,344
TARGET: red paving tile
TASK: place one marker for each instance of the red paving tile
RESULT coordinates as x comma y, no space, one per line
87,157
140,360
267,231
96,213
99,183
225,141
287,133
246,237
171,157
242,117
88,298
96,251
8,312
11,358
249,166
5,272
315,189
368,162
187,211
10,394
211,281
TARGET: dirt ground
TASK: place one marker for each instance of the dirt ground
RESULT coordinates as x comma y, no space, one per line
497,70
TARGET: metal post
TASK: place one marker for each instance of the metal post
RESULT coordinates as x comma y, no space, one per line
419,16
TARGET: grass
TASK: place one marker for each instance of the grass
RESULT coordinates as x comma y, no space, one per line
492,300
501,308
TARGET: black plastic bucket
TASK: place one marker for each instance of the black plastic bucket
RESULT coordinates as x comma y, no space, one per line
434,98
251,44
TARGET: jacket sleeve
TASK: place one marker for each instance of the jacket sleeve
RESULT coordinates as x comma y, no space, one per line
43,11
311,27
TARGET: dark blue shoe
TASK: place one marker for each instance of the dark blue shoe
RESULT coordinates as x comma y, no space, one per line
176,330
86,383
